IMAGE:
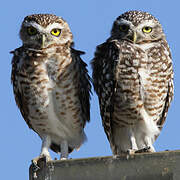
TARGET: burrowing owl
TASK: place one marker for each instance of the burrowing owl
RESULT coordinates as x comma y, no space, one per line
133,78
51,84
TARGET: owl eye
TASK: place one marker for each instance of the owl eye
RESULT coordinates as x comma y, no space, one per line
147,29
31,31
56,32
124,28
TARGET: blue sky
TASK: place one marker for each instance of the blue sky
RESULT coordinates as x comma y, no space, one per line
90,22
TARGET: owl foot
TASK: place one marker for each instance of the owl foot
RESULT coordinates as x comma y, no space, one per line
42,157
126,154
131,151
38,162
144,150
116,156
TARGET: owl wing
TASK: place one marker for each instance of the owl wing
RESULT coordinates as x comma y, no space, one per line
104,65
84,86
83,91
170,88
168,100
18,93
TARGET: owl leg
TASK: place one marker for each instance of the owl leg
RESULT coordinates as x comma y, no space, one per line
133,143
134,147
46,142
64,150
44,155
148,142
132,150
149,147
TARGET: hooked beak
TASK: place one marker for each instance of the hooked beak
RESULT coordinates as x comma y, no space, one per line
43,39
132,37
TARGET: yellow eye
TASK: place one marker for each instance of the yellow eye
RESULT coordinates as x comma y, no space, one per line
147,29
31,31
124,28
56,32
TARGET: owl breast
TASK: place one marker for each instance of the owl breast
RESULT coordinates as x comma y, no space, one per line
143,77
50,91
142,85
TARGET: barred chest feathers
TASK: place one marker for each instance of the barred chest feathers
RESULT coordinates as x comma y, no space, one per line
51,96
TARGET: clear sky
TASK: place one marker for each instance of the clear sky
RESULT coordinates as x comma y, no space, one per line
90,22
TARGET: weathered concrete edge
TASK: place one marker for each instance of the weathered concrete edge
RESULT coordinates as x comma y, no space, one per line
99,158
108,167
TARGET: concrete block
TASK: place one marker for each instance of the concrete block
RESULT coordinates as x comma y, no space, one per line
145,166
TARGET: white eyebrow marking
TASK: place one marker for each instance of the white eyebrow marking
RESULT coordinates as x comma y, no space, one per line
42,29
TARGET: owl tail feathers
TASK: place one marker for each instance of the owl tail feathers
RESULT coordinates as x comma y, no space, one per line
73,144
82,140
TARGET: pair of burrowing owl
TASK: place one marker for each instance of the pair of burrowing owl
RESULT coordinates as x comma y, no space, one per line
132,76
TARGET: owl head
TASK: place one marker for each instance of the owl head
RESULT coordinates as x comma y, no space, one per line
137,27
43,30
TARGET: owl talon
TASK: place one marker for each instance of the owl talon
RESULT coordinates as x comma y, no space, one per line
35,167
131,151
41,158
144,150
116,156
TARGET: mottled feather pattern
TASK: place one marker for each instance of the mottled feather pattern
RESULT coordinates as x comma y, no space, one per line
43,19
151,91
132,76
104,67
84,84
118,72
134,82
51,84
30,72
163,84
19,94
137,17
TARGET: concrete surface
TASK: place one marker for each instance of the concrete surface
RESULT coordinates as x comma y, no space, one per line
145,166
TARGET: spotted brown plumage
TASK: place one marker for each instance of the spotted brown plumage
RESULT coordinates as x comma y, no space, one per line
51,85
133,78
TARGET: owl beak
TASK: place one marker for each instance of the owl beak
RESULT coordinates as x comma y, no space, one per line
134,37
43,41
